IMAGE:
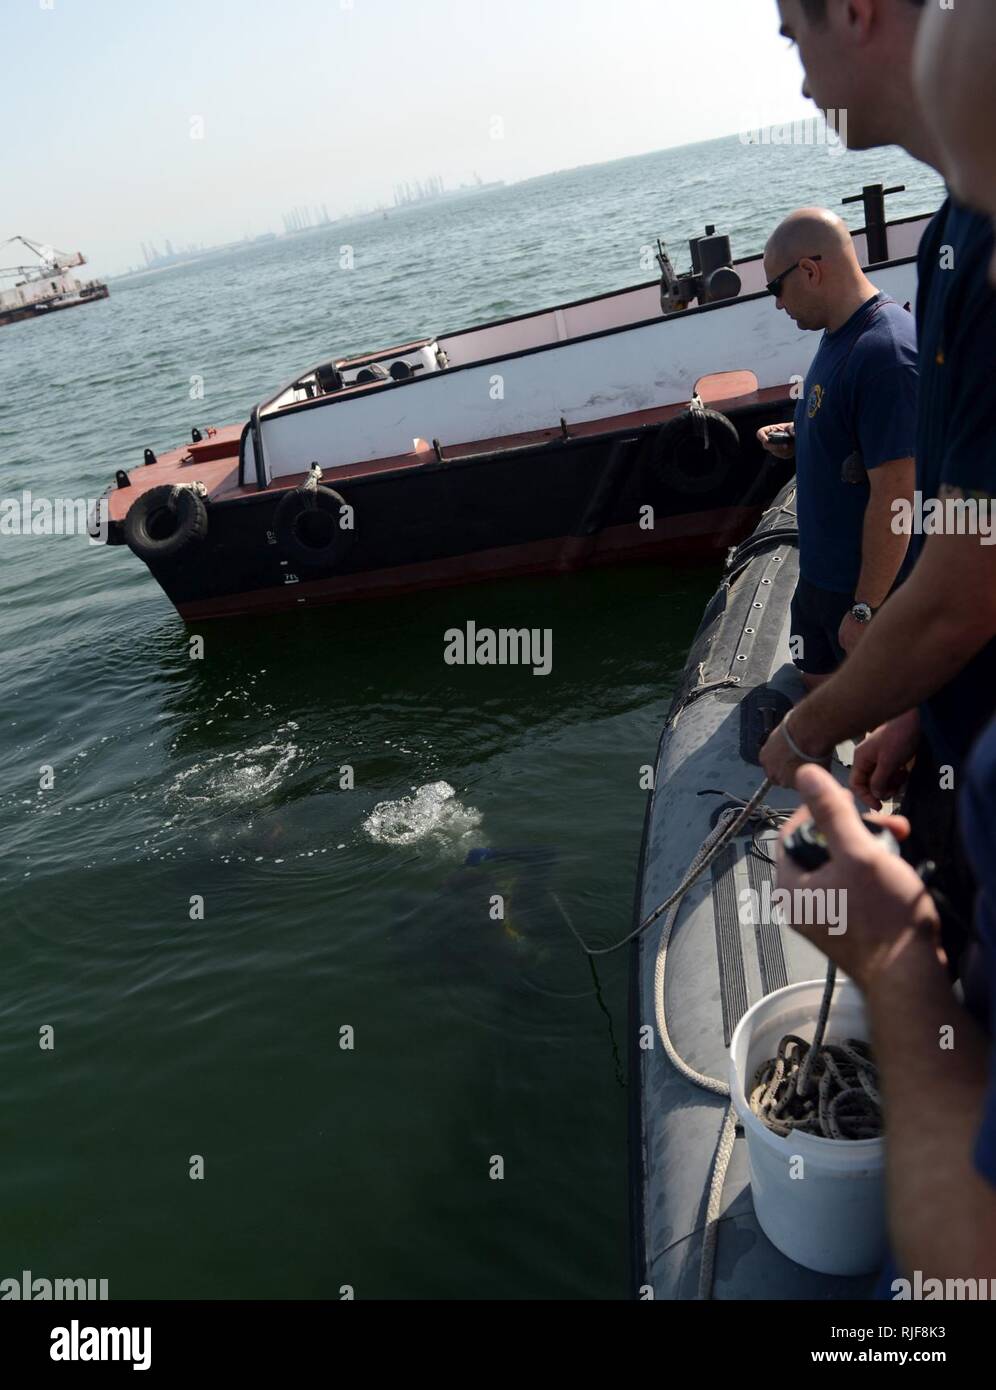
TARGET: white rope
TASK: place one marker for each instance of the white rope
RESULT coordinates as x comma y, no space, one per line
728,825
711,846
710,1239
698,1078
198,489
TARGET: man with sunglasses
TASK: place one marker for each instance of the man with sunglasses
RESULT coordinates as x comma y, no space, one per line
853,436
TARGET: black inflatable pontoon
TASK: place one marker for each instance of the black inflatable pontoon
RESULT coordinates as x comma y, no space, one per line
694,977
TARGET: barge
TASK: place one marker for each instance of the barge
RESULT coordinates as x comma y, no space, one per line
617,428
48,287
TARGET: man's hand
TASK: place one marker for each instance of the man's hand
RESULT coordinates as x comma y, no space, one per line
778,760
850,632
887,911
880,762
778,451
777,757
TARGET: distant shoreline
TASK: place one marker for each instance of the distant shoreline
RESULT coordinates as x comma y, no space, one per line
375,214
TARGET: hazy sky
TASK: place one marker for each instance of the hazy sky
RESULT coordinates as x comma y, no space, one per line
333,101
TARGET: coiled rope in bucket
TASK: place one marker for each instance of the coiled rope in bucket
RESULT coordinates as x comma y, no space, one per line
826,1089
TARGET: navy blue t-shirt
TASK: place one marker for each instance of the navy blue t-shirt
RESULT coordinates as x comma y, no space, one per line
978,831
859,405
956,430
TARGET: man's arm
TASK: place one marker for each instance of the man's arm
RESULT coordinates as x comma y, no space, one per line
883,547
927,632
942,1211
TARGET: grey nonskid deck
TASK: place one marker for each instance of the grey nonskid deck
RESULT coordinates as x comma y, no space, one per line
718,966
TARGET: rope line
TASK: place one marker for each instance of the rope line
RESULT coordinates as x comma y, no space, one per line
710,1238
846,1103
725,829
729,824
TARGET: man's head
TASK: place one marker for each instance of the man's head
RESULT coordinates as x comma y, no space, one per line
857,56
953,72
812,258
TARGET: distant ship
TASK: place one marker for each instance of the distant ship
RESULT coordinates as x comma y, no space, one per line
410,194
46,287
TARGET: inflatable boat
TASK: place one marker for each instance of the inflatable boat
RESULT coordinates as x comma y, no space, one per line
700,966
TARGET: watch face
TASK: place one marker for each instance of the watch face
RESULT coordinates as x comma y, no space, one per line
861,612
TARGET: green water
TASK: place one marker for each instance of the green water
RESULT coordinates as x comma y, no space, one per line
221,1037
176,781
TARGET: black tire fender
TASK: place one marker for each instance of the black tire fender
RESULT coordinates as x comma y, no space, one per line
307,526
696,452
166,521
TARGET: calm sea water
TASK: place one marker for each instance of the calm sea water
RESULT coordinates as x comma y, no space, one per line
327,909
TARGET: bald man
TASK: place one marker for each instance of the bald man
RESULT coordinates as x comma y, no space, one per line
854,432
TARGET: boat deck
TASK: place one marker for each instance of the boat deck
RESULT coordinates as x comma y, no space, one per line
215,461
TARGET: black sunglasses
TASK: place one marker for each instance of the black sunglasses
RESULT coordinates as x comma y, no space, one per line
775,286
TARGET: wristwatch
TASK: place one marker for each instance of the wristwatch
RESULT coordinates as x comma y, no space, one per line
862,613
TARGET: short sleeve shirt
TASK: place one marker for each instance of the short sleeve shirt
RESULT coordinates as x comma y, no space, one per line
956,430
858,411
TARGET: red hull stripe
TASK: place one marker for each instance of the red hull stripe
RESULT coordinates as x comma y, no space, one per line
215,462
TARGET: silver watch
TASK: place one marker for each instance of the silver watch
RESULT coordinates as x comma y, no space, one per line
862,613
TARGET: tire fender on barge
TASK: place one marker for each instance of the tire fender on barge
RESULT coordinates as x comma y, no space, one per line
695,453
167,520
308,525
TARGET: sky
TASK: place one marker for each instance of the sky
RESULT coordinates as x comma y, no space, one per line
334,101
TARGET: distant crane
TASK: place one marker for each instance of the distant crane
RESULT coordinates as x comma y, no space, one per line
51,261
45,287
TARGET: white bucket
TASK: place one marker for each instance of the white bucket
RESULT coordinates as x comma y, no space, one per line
832,1217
